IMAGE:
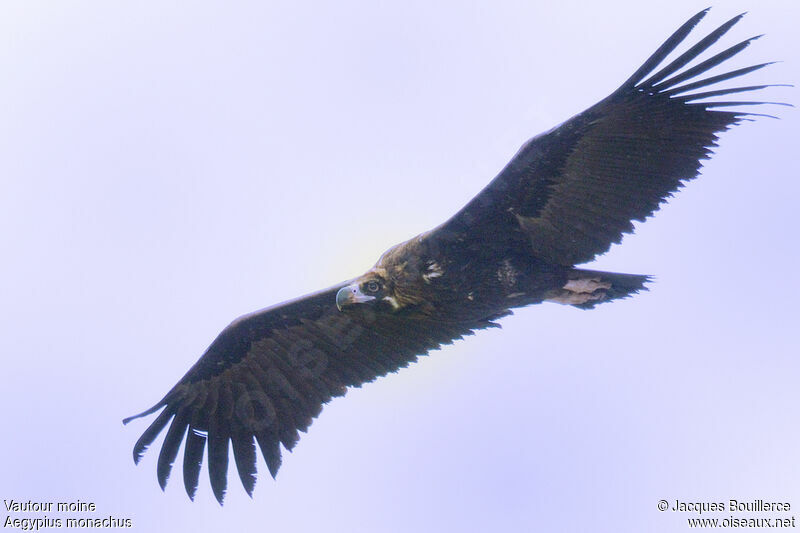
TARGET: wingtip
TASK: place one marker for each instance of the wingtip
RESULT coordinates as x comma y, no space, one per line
735,20
138,453
273,467
667,48
249,484
163,476
745,116
150,411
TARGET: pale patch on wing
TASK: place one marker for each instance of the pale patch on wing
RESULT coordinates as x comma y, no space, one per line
507,274
433,271
515,295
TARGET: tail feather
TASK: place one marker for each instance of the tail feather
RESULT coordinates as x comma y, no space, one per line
587,288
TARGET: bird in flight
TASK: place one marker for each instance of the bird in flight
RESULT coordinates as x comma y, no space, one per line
563,199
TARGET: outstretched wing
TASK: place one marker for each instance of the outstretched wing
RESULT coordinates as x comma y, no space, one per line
267,376
574,191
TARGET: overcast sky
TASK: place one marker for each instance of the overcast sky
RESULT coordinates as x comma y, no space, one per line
166,167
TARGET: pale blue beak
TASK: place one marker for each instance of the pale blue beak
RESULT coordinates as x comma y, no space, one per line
351,295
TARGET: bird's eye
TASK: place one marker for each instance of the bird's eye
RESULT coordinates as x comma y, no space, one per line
373,286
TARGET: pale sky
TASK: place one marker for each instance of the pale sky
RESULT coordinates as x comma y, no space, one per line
167,167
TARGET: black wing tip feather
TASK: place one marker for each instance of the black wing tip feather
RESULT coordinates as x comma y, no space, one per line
156,407
218,466
716,79
665,79
668,79
192,461
720,92
738,103
244,454
169,448
150,434
688,56
193,454
663,51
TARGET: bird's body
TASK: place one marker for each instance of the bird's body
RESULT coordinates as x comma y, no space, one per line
565,197
455,281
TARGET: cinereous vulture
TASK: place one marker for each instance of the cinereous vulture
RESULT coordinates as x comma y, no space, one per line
563,199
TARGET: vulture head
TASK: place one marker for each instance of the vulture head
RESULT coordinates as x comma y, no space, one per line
399,281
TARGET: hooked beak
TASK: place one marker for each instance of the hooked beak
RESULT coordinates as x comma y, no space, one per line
351,295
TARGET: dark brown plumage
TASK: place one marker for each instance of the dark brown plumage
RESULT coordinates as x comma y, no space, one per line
564,198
